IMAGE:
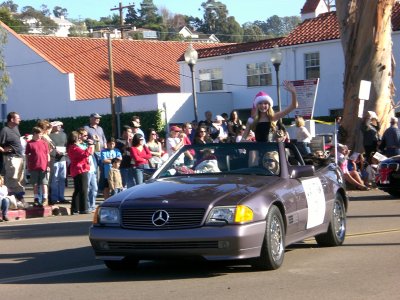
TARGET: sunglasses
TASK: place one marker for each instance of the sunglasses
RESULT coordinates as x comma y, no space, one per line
202,131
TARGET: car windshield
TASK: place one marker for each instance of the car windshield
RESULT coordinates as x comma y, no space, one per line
235,158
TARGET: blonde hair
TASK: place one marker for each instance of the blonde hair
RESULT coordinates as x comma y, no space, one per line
300,122
270,115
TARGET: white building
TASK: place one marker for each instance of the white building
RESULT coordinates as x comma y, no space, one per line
63,26
54,77
312,50
65,77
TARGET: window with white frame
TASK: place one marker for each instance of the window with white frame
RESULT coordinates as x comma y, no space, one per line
259,74
210,80
312,67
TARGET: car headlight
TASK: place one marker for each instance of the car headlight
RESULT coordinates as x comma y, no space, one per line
230,215
108,215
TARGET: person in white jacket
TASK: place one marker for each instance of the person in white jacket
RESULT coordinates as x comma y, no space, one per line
303,137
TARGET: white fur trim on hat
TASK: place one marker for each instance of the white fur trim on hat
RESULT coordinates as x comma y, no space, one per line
261,97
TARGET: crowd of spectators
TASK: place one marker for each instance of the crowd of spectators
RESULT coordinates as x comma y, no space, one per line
109,166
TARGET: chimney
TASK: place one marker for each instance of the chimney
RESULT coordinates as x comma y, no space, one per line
313,8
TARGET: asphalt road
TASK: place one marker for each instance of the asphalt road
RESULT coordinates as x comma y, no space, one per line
51,258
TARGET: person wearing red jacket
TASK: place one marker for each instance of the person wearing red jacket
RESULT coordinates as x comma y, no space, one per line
140,155
79,169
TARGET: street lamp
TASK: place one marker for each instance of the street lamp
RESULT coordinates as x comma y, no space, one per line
191,59
276,59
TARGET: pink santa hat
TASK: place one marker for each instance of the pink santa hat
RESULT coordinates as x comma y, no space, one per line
261,97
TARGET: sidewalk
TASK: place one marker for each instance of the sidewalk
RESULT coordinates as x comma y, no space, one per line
46,211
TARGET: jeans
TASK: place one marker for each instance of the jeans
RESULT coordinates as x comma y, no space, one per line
5,204
138,173
57,181
92,190
127,177
304,148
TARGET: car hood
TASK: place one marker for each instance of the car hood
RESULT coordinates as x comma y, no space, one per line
195,191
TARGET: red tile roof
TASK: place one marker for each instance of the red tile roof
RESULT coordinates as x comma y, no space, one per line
325,27
238,48
140,67
310,6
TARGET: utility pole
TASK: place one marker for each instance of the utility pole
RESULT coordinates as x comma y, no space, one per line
112,96
121,19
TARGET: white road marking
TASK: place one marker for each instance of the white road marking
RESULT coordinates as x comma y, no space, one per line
51,274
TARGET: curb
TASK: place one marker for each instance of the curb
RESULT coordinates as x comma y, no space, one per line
38,212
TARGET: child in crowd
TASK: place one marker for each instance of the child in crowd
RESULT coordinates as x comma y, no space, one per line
4,201
106,157
114,177
38,157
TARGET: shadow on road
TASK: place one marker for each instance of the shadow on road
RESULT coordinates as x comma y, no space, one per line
363,197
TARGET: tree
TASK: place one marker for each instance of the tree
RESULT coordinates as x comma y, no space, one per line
252,32
45,10
368,56
330,4
289,24
194,23
47,25
58,11
10,5
233,32
274,26
15,24
4,76
215,15
79,29
216,21
132,17
148,13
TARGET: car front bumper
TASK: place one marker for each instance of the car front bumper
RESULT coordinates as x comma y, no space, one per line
227,242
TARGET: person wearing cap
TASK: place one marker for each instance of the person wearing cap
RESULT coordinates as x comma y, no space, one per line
370,130
218,133
96,133
263,118
175,142
58,163
136,125
390,144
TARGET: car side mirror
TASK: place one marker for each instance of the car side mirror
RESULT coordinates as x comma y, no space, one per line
301,171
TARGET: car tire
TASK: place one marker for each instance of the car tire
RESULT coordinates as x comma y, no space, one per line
273,247
337,226
119,265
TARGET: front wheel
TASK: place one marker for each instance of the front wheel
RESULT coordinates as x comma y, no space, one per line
127,263
337,226
273,247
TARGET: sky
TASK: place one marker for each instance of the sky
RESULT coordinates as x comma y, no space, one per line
256,9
